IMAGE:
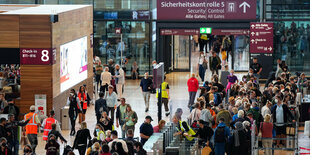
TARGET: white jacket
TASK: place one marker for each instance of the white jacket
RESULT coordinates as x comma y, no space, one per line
121,76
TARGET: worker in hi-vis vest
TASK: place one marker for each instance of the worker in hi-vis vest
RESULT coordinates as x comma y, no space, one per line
47,125
165,95
32,127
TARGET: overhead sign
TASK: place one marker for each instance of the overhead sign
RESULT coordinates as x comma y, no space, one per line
261,38
206,9
205,30
230,31
37,56
179,32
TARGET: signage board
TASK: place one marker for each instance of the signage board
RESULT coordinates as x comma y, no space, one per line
179,31
205,30
230,31
141,14
206,10
36,56
40,104
261,38
118,30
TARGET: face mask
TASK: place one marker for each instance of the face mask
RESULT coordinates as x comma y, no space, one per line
231,74
276,101
244,79
197,125
97,130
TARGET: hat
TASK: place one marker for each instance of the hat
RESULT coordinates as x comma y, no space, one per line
32,108
149,117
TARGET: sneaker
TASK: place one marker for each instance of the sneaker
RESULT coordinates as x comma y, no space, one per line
146,110
167,114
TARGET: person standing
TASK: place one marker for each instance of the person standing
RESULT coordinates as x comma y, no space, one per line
47,125
215,63
146,129
111,100
99,70
165,95
231,79
119,80
120,115
221,134
266,130
106,78
257,69
131,119
56,133
145,85
193,86
32,127
100,106
74,106
12,128
11,109
82,97
80,141
202,66
52,147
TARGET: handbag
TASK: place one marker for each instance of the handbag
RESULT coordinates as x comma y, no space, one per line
205,64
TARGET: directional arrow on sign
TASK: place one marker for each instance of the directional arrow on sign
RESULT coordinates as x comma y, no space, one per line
244,5
252,41
270,48
252,33
252,26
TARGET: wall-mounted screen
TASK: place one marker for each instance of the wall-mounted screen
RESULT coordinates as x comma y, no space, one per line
73,63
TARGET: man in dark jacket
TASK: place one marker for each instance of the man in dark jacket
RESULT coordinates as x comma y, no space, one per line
281,114
3,131
11,109
56,134
100,106
12,128
204,133
215,63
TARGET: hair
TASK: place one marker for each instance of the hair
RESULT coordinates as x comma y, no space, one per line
240,113
111,87
128,106
52,113
114,133
80,89
119,148
2,120
267,118
108,133
73,90
101,94
100,126
105,148
160,123
235,110
123,99
53,126
197,104
193,75
83,125
129,132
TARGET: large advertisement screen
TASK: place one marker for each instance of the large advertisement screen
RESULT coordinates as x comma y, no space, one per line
73,63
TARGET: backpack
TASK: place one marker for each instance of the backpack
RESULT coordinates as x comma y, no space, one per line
113,147
130,147
219,136
11,110
217,99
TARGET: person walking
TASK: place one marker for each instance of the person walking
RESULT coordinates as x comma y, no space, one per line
145,85
215,63
120,115
257,69
165,95
119,80
131,119
74,106
100,106
80,141
56,133
52,147
146,129
266,130
32,127
202,65
12,128
111,99
221,134
106,78
82,97
99,70
193,86
47,125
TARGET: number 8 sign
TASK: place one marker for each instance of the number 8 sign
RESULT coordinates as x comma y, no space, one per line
37,56
45,56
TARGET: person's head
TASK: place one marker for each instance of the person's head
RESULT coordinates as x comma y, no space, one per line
83,125
138,146
148,119
105,148
2,121
201,123
240,114
104,114
234,110
72,92
179,113
268,104
99,128
161,124
114,134
129,133
119,147
108,133
193,75
267,118
239,125
82,89
32,108
221,120
95,147
197,105
213,54
232,72
11,117
110,88
52,138
175,119
54,126
278,99
110,61
52,113
27,149
123,101
117,67
101,94
226,67
128,108
254,60
146,75
2,96
106,69
279,61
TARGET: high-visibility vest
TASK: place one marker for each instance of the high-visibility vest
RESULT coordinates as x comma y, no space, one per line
32,126
164,93
190,132
99,134
84,104
48,127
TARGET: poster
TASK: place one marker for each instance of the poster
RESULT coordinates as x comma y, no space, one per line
73,63
40,104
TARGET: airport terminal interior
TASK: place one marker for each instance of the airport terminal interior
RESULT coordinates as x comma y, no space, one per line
154,77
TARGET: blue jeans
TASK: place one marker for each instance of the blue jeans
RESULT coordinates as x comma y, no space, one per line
192,96
202,73
257,77
14,147
219,148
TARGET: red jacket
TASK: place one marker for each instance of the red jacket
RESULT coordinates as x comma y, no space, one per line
192,84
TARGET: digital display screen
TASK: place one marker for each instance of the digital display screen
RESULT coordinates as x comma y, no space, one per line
73,63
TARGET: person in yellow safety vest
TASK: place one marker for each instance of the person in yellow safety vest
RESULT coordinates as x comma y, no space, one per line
165,95
182,127
32,127
99,132
47,125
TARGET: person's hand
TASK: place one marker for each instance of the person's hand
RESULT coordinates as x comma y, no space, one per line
115,107
185,134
